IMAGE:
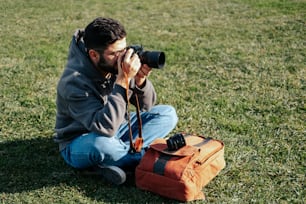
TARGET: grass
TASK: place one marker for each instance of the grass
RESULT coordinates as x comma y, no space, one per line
235,71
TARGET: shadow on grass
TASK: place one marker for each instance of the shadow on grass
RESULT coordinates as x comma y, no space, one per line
27,165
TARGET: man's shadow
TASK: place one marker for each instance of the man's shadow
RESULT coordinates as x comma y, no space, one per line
32,164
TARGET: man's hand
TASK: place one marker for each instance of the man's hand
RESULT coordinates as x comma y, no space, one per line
142,74
128,66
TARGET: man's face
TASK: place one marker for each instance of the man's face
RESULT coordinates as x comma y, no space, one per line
108,59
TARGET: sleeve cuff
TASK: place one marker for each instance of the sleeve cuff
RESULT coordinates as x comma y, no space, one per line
119,90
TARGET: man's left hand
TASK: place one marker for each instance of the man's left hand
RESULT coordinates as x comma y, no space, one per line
142,74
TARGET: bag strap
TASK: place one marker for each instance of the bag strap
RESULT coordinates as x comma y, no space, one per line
134,147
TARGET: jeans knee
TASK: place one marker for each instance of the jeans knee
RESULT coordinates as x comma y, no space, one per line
173,116
169,113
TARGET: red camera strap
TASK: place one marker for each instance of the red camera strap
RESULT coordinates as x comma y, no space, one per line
134,147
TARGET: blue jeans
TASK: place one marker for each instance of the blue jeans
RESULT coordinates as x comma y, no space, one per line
91,149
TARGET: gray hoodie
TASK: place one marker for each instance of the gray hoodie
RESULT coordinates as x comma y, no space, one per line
87,102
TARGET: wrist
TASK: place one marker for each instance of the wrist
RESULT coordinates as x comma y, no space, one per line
140,83
122,82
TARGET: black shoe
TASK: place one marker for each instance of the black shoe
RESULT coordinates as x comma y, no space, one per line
113,174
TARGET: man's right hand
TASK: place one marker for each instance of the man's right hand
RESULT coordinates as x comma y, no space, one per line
128,66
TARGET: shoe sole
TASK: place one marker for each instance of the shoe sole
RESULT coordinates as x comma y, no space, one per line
113,174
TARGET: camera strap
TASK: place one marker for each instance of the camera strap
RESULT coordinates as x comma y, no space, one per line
137,145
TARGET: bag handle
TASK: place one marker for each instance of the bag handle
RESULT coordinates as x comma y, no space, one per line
134,147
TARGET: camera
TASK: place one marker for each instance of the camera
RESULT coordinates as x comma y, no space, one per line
154,59
175,142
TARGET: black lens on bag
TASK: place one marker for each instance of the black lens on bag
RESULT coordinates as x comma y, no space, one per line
175,142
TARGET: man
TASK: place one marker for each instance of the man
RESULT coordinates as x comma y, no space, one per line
91,126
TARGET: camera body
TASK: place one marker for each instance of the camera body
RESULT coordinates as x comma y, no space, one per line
154,59
175,142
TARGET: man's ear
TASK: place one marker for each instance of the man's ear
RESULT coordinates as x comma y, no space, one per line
94,55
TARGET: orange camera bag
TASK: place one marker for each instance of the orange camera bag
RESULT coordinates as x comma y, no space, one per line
180,174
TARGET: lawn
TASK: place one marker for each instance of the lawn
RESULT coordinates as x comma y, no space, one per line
235,71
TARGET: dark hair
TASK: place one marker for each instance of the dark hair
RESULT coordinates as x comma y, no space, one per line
102,32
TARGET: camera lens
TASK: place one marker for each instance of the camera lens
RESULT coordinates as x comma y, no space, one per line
175,142
154,59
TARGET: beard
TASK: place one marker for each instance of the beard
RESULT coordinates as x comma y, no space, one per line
106,67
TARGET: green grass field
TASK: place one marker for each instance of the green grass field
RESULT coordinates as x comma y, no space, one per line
235,71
